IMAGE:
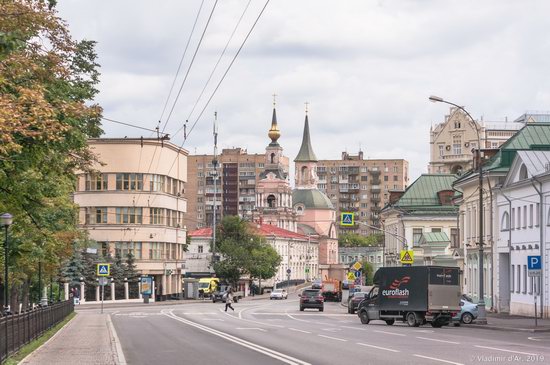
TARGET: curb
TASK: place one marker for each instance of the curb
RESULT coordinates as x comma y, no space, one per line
508,329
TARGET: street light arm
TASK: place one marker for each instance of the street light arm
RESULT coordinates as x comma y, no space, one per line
388,232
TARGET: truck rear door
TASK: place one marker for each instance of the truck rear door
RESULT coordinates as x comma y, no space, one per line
444,288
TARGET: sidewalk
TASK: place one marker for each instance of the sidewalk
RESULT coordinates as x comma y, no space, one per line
87,339
506,322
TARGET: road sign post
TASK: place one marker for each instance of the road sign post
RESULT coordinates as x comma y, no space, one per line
288,271
534,266
102,281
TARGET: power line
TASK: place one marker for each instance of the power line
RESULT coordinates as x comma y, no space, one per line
190,65
181,61
131,125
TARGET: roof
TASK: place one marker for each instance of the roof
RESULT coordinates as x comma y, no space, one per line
306,153
265,230
434,237
306,229
423,191
536,162
539,117
311,199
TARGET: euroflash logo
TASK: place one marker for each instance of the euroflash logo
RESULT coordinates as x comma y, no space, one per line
394,291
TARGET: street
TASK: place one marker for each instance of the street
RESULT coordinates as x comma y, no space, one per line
274,332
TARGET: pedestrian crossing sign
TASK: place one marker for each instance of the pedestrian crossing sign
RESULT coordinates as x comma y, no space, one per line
103,269
347,219
407,256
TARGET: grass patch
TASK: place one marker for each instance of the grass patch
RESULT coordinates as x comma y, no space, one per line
33,345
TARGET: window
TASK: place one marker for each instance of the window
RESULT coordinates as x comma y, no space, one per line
364,178
96,182
101,215
530,215
523,173
512,277
155,250
518,288
156,216
457,125
524,279
457,145
537,215
156,183
525,216
128,215
200,249
395,178
386,178
441,150
417,233
129,181
454,237
436,230
512,219
124,248
519,218
505,222
531,281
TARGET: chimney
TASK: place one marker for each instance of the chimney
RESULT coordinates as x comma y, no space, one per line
395,195
445,197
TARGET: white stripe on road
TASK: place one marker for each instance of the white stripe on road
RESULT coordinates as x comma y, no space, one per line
302,314
251,321
496,348
297,330
332,329
377,347
436,359
333,338
391,333
250,328
264,350
433,339
213,319
354,328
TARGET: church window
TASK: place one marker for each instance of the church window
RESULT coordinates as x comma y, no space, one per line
272,158
304,173
271,201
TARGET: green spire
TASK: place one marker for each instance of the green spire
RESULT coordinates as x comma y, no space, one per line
306,153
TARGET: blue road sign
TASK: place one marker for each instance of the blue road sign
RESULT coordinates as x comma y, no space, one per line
534,262
347,219
357,274
103,269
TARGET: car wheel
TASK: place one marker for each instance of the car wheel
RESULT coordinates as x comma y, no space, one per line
411,320
352,310
467,318
390,322
301,309
364,317
321,309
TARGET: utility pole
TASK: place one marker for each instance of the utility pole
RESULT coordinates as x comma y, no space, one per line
215,177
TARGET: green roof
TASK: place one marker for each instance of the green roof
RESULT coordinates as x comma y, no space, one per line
423,192
306,153
434,237
311,198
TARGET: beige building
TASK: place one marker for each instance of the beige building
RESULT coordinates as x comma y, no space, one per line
354,184
135,204
238,175
452,141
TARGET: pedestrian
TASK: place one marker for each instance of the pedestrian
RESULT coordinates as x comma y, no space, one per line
229,299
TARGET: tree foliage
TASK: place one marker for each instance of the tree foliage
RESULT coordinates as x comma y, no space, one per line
47,81
243,252
357,240
368,272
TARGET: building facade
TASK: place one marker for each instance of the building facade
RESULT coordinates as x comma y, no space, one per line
452,141
135,203
354,184
372,254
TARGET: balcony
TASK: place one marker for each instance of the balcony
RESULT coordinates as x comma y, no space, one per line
353,170
375,199
344,198
348,209
376,209
375,189
374,171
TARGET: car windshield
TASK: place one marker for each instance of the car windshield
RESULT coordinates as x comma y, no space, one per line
203,285
359,294
311,293
277,291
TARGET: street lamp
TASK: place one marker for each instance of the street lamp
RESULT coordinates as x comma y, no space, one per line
6,220
482,317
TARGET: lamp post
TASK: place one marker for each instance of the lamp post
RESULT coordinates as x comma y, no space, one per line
6,220
482,317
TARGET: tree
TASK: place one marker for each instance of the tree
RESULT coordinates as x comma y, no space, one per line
357,240
368,272
131,273
47,81
243,252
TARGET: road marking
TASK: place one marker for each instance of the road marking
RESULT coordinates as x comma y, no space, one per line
496,348
539,338
297,330
251,321
377,347
436,359
250,328
213,319
331,329
354,328
333,338
391,333
302,314
199,313
118,347
264,350
433,339
424,331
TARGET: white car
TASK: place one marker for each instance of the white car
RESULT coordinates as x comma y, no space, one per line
278,294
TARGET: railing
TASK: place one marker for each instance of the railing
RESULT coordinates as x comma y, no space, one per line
18,330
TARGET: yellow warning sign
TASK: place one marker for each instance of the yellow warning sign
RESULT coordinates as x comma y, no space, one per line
407,256
351,275
357,266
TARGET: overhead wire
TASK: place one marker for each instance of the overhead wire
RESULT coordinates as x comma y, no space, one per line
190,66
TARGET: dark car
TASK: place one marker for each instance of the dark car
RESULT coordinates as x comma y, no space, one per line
312,298
354,300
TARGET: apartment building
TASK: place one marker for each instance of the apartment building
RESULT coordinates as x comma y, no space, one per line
135,204
354,184
236,178
452,141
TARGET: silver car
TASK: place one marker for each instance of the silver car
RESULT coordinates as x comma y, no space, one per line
467,314
278,294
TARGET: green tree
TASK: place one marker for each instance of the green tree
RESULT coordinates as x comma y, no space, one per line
368,272
47,83
265,262
357,240
131,273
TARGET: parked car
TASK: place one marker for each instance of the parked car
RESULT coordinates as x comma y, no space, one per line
278,294
317,284
468,313
354,300
312,298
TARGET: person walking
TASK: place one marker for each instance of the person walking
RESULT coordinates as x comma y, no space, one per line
229,299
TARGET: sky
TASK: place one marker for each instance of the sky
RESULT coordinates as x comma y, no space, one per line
365,67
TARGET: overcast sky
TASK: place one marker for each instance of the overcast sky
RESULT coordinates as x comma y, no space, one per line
366,67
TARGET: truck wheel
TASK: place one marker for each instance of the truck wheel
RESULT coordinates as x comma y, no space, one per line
436,324
213,300
364,317
390,322
301,309
467,318
321,309
411,320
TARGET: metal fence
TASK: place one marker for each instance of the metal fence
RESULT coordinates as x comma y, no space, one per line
19,329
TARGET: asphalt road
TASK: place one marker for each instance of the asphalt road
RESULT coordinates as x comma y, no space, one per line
275,332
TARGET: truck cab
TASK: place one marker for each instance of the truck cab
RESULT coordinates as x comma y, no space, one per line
207,286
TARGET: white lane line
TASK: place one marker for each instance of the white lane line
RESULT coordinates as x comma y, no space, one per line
331,329
213,319
302,314
436,359
391,333
333,338
251,321
433,339
296,319
354,328
297,330
199,313
377,347
264,350
517,352
250,328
